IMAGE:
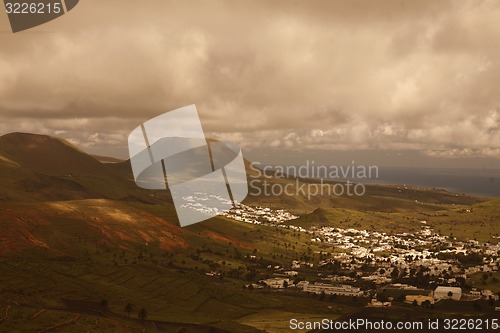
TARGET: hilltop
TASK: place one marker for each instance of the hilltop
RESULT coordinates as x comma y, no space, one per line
36,168
48,155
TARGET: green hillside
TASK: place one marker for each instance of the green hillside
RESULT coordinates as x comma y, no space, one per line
76,231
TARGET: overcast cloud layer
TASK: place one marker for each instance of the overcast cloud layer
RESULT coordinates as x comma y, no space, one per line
417,76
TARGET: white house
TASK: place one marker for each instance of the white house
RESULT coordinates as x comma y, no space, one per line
454,293
277,283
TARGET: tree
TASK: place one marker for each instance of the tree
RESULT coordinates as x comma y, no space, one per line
382,298
104,305
142,315
395,273
128,308
477,306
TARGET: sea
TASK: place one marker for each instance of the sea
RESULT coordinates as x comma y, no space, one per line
480,182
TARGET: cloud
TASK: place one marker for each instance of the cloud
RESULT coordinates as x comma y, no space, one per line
463,152
309,75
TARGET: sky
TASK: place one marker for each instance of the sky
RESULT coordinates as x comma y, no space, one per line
380,82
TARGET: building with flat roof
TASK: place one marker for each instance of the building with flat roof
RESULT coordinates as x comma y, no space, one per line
330,289
277,283
442,292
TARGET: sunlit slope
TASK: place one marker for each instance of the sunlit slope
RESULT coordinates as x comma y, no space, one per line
73,227
68,226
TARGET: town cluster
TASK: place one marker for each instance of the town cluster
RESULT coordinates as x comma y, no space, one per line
258,215
424,266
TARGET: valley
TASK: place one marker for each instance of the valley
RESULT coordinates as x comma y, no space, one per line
80,241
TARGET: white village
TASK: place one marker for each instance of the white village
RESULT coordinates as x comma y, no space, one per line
420,268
